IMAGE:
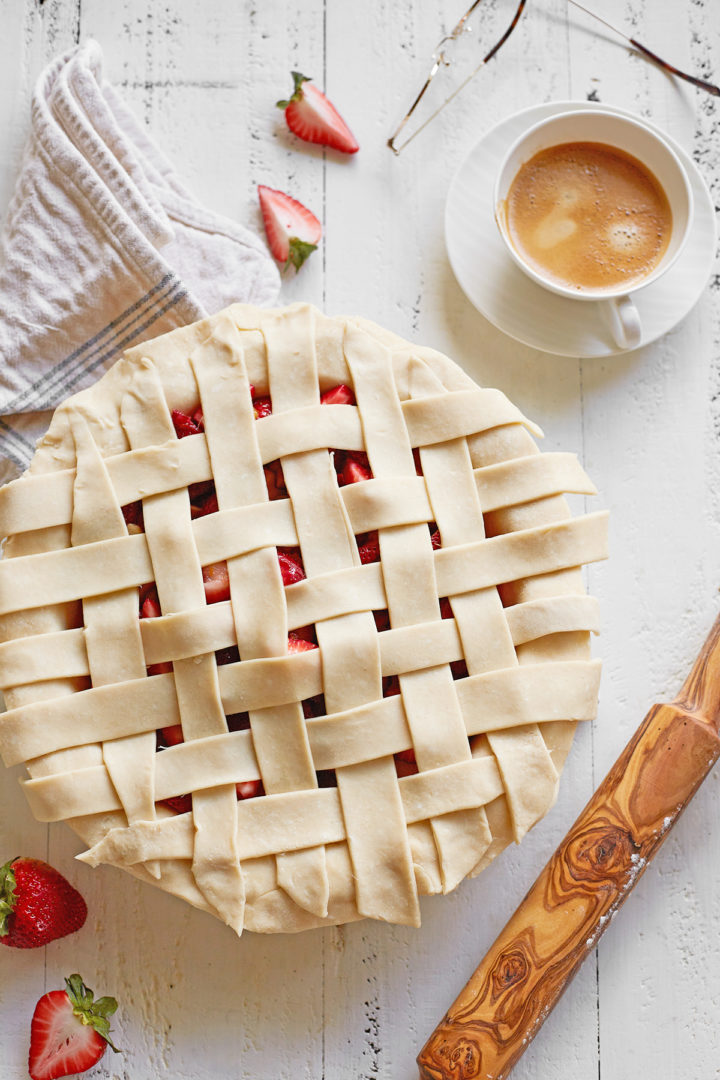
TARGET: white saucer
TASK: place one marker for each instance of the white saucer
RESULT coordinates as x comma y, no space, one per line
510,300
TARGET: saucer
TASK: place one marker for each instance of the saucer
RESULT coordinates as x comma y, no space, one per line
514,303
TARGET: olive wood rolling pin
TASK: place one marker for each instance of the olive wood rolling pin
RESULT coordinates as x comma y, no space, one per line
592,872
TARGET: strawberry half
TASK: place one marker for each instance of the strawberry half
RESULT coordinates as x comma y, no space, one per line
69,1032
292,230
37,904
311,117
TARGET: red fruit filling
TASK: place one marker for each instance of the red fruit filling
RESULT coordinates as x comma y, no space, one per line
133,514
405,764
291,565
262,407
352,466
368,547
338,395
275,481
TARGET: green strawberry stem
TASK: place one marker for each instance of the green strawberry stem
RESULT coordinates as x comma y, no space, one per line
8,896
93,1014
299,251
298,80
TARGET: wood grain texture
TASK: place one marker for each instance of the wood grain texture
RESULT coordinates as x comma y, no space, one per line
357,1003
506,1001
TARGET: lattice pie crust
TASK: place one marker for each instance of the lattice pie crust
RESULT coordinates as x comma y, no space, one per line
488,736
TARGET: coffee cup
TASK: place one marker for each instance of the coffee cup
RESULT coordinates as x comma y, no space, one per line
594,206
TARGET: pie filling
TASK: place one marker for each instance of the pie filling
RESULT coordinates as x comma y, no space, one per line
351,467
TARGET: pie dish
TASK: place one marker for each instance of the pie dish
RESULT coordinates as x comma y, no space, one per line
293,619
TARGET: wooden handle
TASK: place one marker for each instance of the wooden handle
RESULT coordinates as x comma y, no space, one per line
592,872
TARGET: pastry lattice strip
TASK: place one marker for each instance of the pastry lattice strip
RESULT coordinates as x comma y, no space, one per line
501,703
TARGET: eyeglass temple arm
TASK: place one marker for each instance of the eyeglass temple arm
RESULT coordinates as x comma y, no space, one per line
702,83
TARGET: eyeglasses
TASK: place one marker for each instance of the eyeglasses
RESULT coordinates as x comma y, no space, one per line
448,56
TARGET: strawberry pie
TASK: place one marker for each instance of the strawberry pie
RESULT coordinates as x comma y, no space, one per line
293,622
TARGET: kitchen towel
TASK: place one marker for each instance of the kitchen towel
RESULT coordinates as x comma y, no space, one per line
101,248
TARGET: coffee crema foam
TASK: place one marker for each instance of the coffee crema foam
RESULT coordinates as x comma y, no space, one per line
588,216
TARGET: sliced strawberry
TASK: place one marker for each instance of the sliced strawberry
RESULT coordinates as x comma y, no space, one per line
172,735
181,804
69,1032
262,407
446,612
338,395
249,789
307,633
405,763
369,547
354,468
184,424
216,582
382,620
150,605
198,418
37,904
435,538
311,117
293,231
291,566
297,644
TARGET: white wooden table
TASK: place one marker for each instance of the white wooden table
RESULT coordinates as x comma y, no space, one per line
358,1002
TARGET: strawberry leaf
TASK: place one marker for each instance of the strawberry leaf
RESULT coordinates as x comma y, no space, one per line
299,251
92,1014
297,93
8,896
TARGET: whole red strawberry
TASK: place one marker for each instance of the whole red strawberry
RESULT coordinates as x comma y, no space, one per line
69,1032
37,904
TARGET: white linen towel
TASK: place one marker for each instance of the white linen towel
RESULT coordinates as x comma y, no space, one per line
102,247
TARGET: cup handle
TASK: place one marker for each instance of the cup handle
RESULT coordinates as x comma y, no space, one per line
624,321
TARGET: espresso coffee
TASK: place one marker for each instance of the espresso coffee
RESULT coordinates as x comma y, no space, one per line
588,216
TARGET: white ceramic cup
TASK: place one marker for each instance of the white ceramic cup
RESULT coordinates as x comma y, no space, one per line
633,137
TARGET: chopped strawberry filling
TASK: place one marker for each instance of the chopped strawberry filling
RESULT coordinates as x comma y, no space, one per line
249,789
306,633
133,514
204,503
181,804
262,407
435,536
382,620
368,547
291,565
338,395
150,604
298,644
405,763
184,425
416,459
216,582
352,467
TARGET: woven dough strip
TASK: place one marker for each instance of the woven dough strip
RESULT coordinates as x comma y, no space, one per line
84,711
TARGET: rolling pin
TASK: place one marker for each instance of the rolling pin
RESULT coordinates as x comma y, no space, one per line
572,903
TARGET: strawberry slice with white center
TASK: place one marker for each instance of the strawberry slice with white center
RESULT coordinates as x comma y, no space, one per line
69,1032
311,117
293,231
